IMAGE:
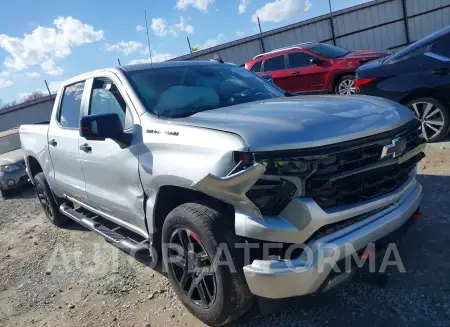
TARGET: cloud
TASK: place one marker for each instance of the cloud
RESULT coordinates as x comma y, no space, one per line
161,28
199,4
213,42
157,57
240,34
45,43
5,83
183,27
243,6
49,67
280,10
33,75
139,28
4,74
124,47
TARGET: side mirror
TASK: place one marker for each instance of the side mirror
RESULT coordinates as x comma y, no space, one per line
101,127
315,61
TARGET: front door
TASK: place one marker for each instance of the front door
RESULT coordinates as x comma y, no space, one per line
63,134
307,76
111,169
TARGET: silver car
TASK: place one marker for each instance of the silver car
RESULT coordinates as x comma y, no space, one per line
12,164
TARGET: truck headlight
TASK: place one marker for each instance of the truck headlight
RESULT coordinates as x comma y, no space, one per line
9,168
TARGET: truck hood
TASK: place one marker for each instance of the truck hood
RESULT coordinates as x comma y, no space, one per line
11,157
304,121
368,54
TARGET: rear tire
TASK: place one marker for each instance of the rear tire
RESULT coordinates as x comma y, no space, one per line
204,229
434,117
45,196
345,85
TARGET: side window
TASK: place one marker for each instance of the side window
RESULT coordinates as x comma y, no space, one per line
256,67
106,99
442,48
274,63
299,59
69,114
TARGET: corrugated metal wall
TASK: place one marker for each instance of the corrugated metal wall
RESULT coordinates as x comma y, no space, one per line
374,25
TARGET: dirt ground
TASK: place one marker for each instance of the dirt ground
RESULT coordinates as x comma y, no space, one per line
72,277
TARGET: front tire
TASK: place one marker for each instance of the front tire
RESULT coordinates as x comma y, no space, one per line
345,85
6,193
47,201
215,295
434,117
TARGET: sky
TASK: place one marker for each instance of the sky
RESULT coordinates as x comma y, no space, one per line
55,40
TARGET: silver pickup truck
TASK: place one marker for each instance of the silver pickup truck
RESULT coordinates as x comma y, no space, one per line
204,162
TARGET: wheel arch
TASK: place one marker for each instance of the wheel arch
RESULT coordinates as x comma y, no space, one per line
422,93
168,198
34,167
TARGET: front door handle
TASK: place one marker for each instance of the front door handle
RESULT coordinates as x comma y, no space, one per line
53,142
86,148
295,73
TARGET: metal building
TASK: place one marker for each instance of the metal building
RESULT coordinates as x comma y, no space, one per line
30,112
379,24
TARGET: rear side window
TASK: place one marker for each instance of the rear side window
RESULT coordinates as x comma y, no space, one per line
299,59
442,48
69,115
256,67
274,63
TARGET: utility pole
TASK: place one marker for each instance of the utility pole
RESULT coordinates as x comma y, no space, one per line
190,48
261,36
333,34
118,60
148,38
48,89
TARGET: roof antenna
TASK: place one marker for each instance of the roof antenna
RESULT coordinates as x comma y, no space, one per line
148,39
218,59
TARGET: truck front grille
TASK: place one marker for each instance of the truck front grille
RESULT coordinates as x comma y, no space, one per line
359,187
349,172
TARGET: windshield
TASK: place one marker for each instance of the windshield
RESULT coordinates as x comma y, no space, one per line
329,51
9,143
185,90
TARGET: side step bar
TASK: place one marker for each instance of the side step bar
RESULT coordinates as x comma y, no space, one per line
87,219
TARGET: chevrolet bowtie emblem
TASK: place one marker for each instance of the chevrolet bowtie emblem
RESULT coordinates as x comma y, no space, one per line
394,149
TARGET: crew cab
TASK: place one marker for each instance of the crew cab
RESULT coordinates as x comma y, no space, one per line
314,67
201,161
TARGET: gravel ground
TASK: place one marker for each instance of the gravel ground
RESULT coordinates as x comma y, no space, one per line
72,277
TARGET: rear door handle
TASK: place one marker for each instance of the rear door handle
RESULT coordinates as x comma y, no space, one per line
442,72
295,73
86,148
53,142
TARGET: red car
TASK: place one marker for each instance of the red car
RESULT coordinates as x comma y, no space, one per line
313,67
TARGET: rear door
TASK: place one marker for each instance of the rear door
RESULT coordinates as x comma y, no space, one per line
277,67
111,169
307,75
63,137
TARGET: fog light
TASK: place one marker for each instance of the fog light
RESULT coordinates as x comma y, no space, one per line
10,182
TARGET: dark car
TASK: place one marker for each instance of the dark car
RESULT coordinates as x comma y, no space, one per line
313,67
12,165
418,77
